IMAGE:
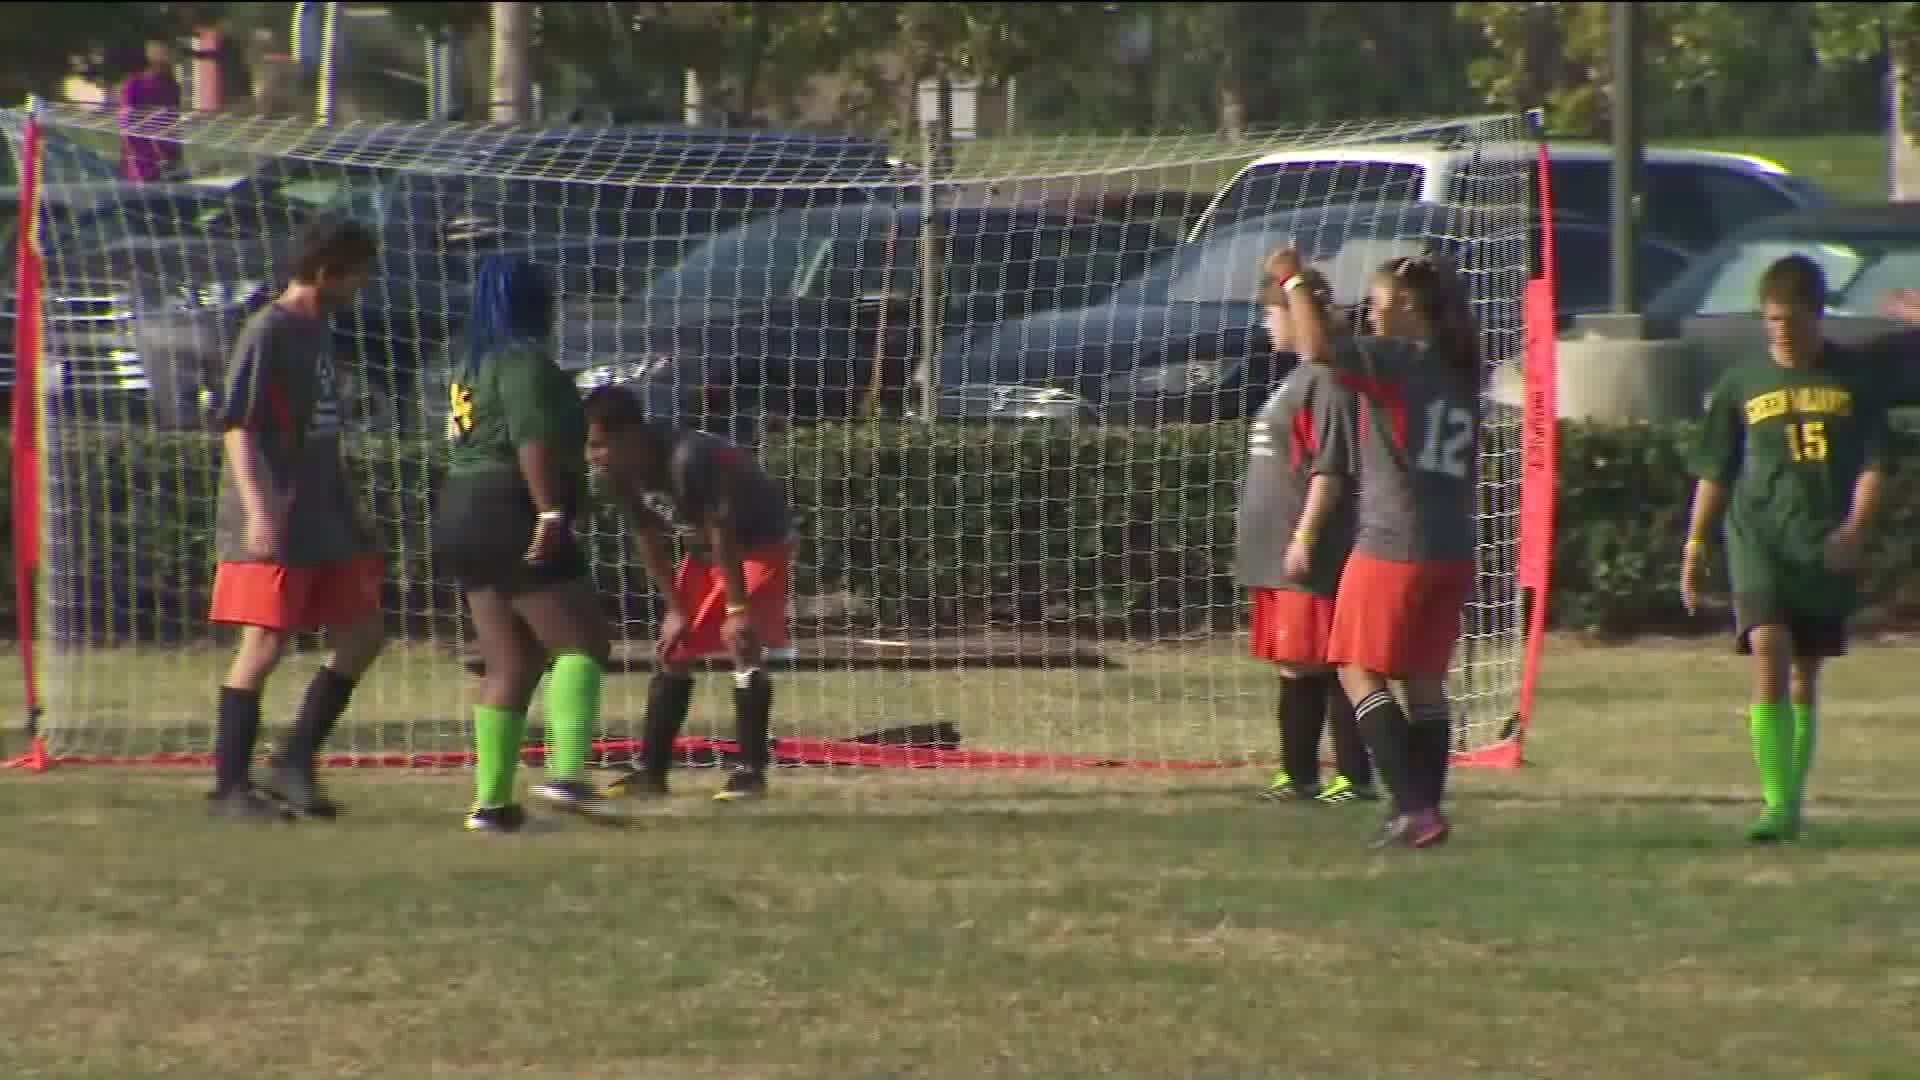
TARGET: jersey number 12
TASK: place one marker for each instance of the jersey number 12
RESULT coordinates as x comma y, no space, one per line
1448,438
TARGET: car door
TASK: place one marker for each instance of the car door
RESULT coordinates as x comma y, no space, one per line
1582,188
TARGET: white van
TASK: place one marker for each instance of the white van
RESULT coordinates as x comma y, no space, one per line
1689,198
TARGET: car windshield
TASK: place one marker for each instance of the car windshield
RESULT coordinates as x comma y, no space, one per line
1860,270
1287,186
774,256
1225,266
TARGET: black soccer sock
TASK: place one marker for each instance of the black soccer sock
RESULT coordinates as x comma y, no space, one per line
233,739
1303,716
752,719
1385,728
669,696
326,698
1430,749
1349,749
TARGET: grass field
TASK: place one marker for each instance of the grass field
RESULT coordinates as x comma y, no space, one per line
1595,916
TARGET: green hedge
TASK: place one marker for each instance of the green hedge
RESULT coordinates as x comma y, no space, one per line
942,526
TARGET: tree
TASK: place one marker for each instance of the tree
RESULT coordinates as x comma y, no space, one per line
1861,31
52,42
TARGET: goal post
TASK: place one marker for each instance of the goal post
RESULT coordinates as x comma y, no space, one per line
1016,525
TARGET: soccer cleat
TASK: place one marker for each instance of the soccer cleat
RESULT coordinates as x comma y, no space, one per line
742,786
1281,788
1342,790
300,791
1774,827
1392,832
638,784
245,804
579,797
1428,828
497,819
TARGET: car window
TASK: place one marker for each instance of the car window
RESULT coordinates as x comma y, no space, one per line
1269,189
1584,188
777,256
1866,294
1583,262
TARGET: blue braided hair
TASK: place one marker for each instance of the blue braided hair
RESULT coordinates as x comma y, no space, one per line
512,302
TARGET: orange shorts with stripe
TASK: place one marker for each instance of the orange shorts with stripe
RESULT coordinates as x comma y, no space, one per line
1399,619
700,590
1290,626
288,598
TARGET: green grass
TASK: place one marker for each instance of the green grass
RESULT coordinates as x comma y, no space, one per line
1595,916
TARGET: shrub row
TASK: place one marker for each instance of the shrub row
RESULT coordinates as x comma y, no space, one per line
921,526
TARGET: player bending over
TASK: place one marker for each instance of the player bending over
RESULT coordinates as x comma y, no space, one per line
1794,448
516,478
1397,612
1294,531
293,551
730,597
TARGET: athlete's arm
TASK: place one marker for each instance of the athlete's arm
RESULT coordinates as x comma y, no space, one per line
656,554
723,541
1866,500
1324,492
1709,498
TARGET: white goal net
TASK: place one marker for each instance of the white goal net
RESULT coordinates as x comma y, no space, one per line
1008,395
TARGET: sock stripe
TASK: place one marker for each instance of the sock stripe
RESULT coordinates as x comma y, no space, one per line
1372,702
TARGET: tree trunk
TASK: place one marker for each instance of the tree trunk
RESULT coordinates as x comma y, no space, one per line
1903,118
512,68
1231,84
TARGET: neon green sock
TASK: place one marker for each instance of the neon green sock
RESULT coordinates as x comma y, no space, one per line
1772,751
573,711
1805,721
497,733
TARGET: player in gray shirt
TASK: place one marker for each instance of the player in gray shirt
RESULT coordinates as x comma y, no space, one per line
728,595
1404,588
1294,530
293,552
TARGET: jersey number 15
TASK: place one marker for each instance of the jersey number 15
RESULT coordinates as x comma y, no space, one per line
1447,439
1807,440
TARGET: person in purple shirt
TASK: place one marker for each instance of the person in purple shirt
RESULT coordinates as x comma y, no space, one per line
152,87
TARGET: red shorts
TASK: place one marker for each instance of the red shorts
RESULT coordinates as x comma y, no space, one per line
1399,619
281,597
1290,626
700,590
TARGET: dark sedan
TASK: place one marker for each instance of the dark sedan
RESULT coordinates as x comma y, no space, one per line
818,314
1186,343
1871,256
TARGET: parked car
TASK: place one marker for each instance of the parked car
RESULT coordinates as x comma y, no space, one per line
1185,343
1692,199
77,217
802,315
63,161
1870,254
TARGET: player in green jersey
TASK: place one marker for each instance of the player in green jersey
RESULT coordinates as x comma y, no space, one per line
516,478
1794,450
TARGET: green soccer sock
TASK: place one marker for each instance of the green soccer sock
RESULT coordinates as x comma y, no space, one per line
1767,722
1805,723
497,733
573,710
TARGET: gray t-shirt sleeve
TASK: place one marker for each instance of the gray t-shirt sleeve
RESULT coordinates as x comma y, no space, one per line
1335,418
255,398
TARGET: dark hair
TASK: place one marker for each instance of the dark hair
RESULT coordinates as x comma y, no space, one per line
332,244
616,408
512,301
1442,301
1796,281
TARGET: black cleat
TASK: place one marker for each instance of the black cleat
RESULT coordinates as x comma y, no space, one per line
300,791
497,819
744,785
580,797
245,804
638,784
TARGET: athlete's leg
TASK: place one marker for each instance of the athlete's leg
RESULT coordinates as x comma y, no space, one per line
567,620
1770,727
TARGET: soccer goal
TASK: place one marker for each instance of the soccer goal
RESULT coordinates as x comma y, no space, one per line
1007,388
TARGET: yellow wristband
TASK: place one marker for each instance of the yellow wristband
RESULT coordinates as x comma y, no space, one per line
1303,536
1695,545
738,609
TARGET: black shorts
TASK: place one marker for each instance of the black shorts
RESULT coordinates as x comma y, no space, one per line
1815,637
482,526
